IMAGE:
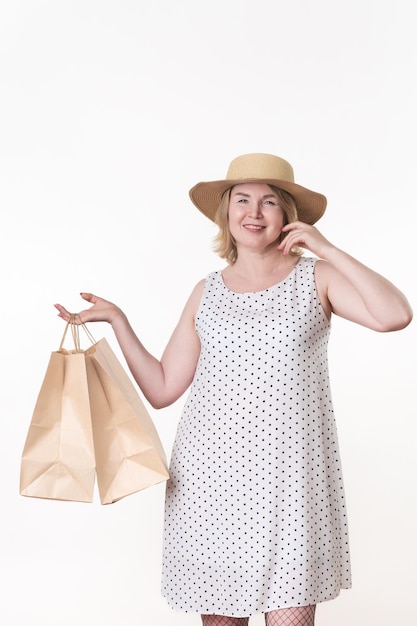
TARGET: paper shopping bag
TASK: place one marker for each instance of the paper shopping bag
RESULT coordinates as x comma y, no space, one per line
58,456
89,419
129,454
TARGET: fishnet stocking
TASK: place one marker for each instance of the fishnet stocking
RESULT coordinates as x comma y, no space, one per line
223,620
297,616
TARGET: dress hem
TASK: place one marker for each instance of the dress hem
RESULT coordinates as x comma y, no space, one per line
254,612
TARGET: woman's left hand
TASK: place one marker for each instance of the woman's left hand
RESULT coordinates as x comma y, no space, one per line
305,236
349,288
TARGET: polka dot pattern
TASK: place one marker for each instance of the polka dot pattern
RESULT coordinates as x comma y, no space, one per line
255,517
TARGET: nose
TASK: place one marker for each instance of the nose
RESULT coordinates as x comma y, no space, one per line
256,209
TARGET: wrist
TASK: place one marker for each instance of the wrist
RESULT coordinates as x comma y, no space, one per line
117,318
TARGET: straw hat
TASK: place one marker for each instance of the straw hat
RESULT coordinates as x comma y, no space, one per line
259,168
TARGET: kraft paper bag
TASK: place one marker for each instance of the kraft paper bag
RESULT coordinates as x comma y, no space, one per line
89,420
129,454
58,460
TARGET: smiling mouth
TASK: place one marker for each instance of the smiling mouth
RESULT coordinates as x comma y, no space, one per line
254,227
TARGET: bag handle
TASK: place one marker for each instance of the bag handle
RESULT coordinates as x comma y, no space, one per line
75,332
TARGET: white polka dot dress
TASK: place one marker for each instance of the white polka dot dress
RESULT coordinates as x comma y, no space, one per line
255,517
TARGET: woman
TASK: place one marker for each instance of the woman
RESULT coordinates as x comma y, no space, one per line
255,518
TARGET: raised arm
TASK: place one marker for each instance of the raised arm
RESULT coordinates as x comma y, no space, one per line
161,381
347,287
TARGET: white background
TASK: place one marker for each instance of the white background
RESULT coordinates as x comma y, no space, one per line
109,113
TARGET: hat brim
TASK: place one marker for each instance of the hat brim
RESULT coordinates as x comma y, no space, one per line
206,196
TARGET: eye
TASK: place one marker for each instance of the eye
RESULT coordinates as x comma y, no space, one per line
242,200
270,202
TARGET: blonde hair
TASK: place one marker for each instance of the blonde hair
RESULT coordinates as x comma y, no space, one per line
224,242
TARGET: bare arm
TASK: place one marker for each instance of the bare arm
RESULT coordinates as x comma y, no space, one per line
161,381
347,287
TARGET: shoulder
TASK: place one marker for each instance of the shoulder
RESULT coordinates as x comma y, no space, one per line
198,289
323,271
212,279
306,265
206,282
194,300
305,262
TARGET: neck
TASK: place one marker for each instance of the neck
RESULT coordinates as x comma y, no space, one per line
255,263
254,271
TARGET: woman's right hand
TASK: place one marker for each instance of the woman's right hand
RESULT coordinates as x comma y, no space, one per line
101,311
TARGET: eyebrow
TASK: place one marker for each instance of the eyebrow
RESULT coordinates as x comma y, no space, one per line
247,195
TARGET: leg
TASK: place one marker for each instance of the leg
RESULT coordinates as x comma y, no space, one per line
296,616
223,620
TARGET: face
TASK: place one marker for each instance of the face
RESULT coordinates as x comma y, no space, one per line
255,217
